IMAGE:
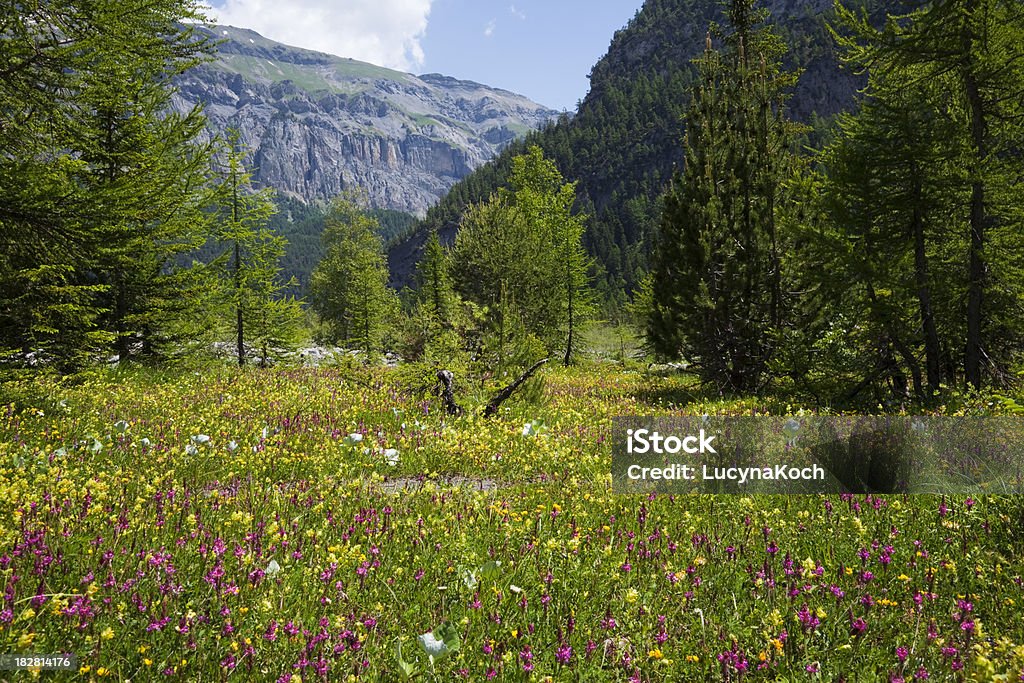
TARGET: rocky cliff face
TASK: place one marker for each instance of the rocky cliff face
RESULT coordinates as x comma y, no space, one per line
316,124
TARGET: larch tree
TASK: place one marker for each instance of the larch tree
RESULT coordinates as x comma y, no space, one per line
349,286
101,185
523,250
435,293
250,263
975,48
893,190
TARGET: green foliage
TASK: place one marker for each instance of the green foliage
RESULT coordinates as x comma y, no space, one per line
717,282
102,185
249,266
507,344
893,205
435,294
349,286
441,328
392,224
520,255
622,144
56,313
302,226
924,194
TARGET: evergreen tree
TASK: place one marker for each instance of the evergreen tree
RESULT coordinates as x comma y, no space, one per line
892,197
96,175
579,300
974,48
349,286
435,293
439,328
527,242
250,264
146,166
717,280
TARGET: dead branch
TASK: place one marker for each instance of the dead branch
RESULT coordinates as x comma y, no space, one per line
503,395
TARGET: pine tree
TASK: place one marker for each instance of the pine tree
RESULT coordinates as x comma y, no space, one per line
717,280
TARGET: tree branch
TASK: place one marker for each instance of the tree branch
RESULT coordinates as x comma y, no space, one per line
502,395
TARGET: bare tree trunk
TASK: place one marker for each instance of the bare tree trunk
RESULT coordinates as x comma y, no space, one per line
451,407
924,296
445,377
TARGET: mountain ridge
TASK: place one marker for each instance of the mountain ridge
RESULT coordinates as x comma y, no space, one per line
317,124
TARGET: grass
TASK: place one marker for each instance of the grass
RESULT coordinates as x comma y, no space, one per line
256,525
613,341
311,78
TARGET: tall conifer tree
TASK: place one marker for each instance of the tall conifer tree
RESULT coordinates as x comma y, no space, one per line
349,286
525,245
102,186
250,263
717,281
972,47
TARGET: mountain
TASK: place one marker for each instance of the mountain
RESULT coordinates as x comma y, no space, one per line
317,124
625,141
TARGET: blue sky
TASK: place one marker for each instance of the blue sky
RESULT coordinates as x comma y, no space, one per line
543,50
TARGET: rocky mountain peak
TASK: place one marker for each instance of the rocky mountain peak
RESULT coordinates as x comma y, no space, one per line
317,124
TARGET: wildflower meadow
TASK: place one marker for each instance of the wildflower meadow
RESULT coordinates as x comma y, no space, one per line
308,524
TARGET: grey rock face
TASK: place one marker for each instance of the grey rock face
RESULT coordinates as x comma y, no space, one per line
316,125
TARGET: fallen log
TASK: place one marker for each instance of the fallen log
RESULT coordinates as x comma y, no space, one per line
503,395
446,379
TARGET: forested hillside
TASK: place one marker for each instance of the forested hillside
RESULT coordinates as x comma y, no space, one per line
823,197
302,225
758,237
626,138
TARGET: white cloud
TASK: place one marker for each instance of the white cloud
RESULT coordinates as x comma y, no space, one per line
489,29
515,12
382,32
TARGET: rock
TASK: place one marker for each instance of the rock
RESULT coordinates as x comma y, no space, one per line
316,125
